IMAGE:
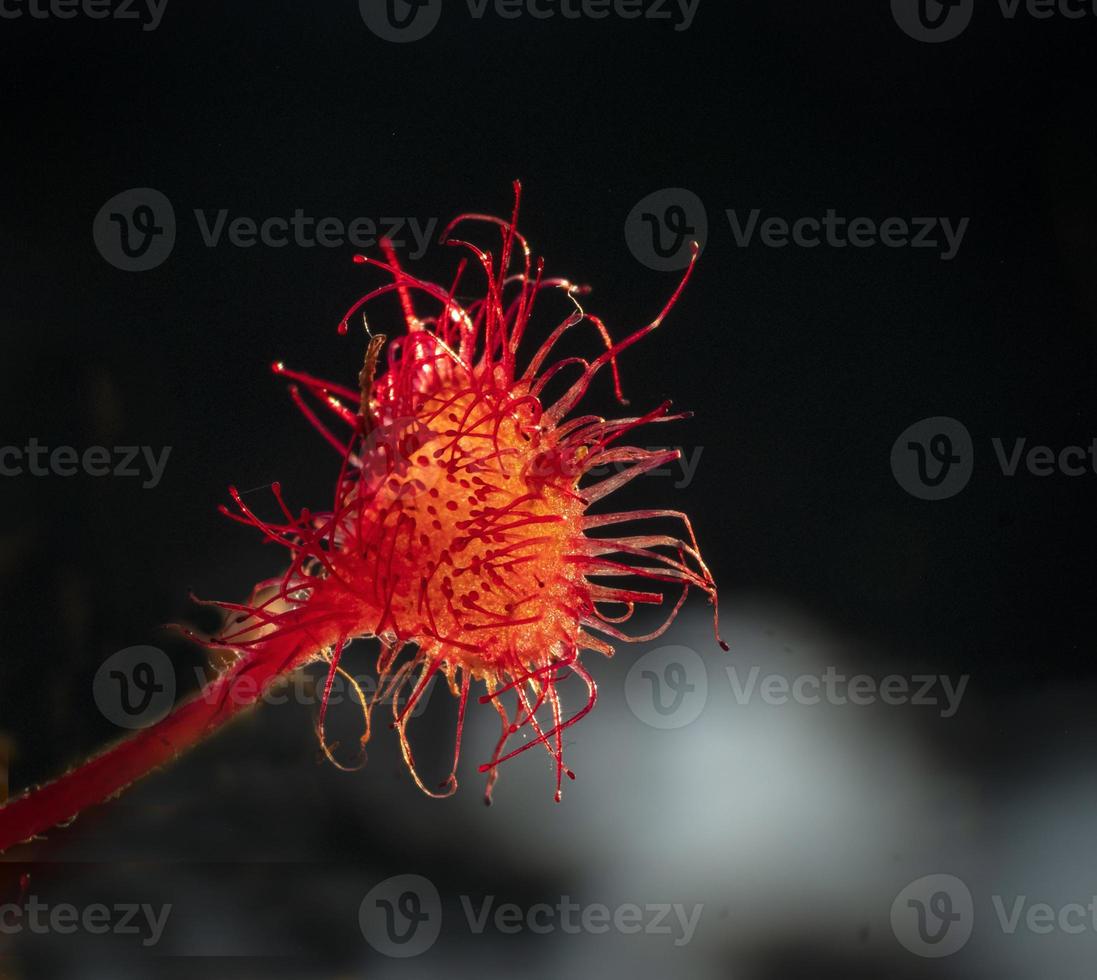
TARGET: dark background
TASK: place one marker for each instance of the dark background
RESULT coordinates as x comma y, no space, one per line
802,366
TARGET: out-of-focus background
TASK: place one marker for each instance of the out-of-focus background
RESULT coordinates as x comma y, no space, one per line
892,773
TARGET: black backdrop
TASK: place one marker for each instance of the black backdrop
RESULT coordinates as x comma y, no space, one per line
803,366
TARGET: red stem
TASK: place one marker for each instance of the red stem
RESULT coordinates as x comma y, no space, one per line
108,774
